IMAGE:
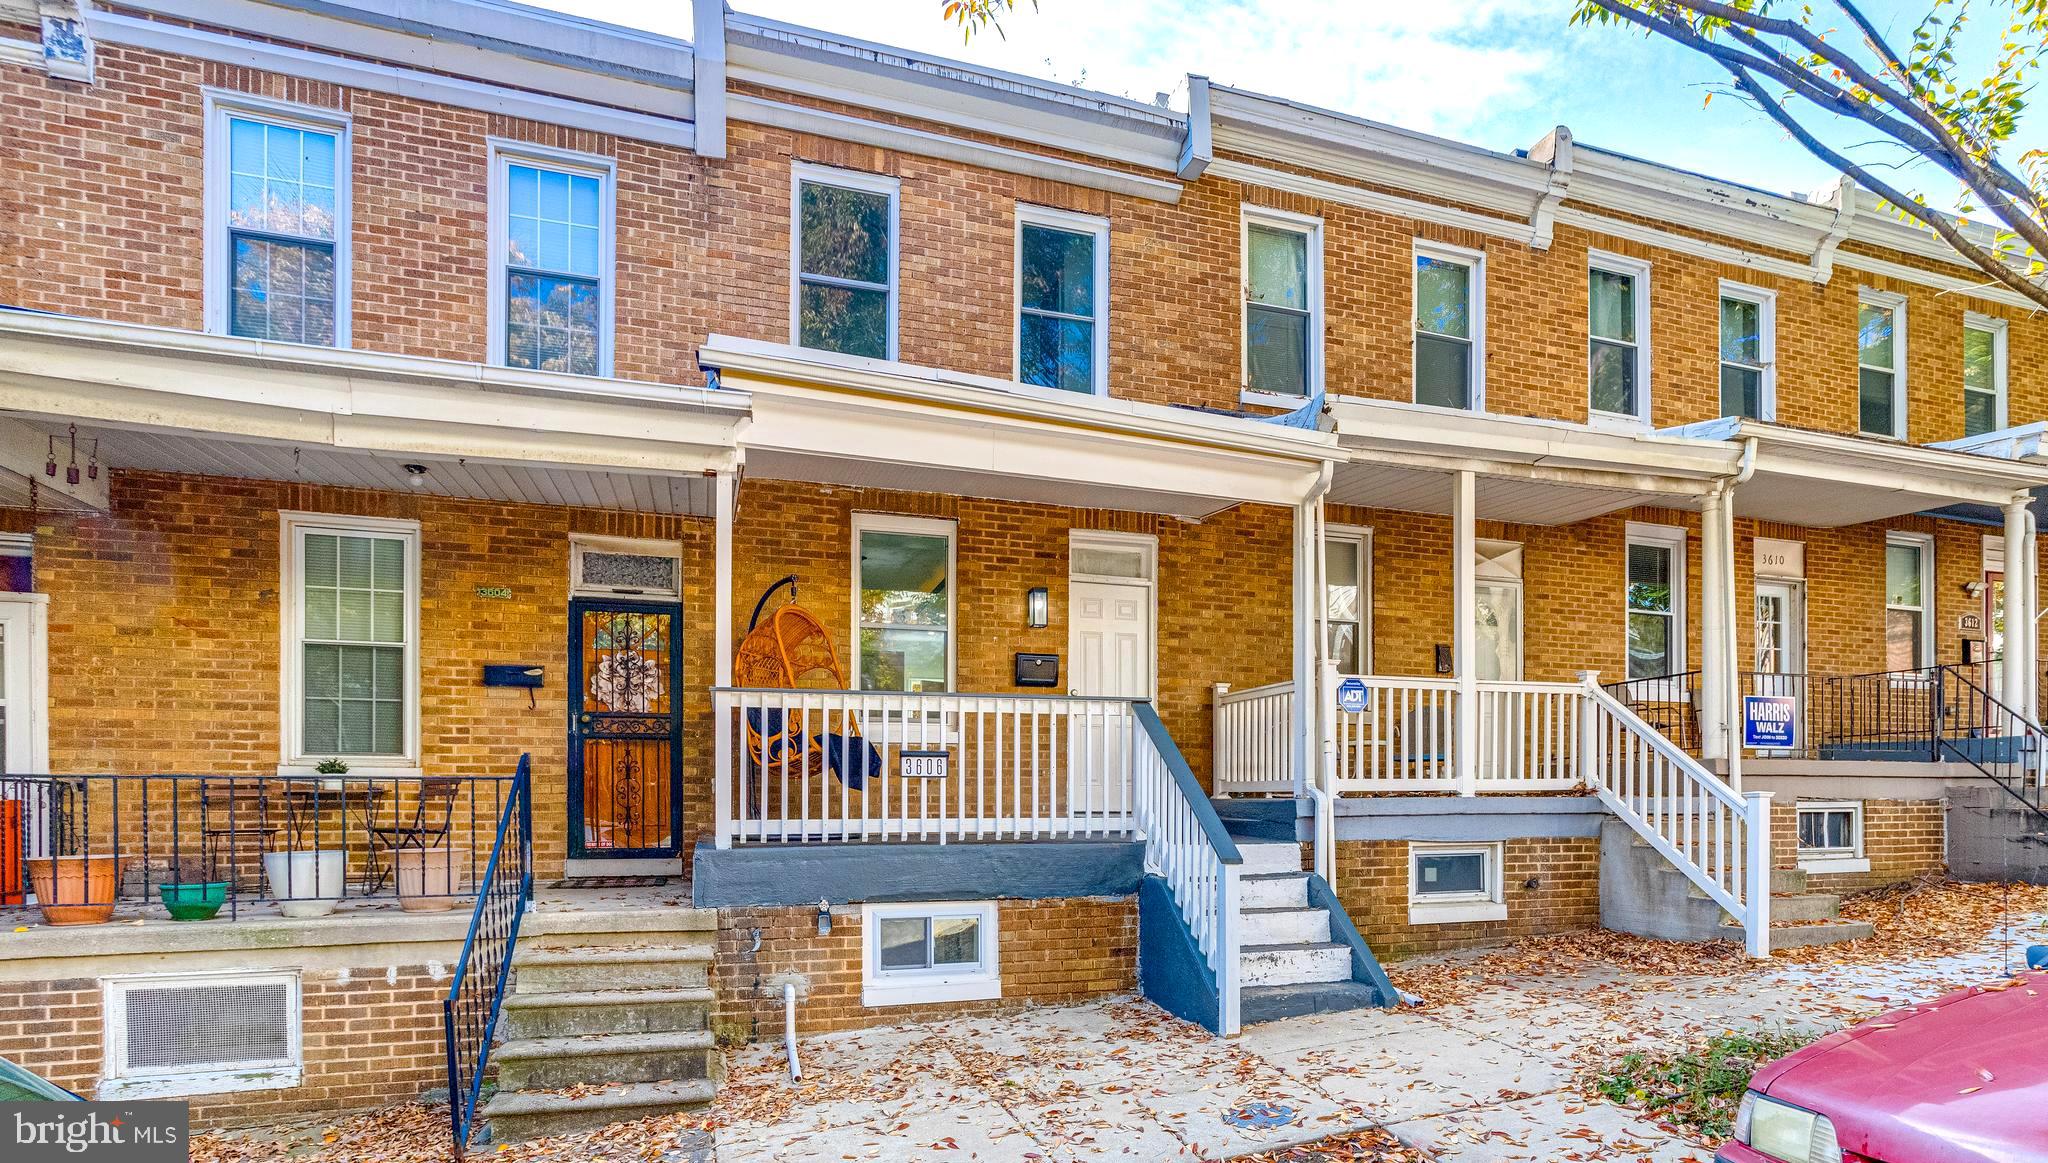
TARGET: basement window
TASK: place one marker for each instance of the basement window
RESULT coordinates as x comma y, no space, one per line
929,952
170,1035
1449,883
1831,837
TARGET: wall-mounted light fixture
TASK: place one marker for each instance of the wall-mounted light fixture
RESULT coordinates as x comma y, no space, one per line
1974,588
1037,607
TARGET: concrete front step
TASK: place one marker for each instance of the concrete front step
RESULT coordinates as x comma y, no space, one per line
533,1114
1293,964
678,965
1798,935
559,1063
611,1011
1288,926
1261,858
1270,1003
1806,906
1788,880
546,928
1273,890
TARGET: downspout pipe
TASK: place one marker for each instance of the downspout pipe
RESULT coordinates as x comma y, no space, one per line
1745,469
796,1071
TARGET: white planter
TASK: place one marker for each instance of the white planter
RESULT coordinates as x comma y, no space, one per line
306,884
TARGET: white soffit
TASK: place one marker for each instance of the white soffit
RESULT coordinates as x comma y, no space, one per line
1375,485
168,451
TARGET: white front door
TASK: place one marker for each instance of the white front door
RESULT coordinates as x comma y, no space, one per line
1111,651
1780,644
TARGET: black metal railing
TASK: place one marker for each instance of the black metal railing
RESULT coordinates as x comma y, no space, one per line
1669,703
81,847
2004,745
469,1014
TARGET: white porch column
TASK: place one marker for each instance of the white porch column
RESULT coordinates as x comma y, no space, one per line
1464,615
721,622
1731,639
1715,573
1302,725
2013,668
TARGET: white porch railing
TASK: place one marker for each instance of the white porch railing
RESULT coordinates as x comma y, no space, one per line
1718,838
1186,846
1405,736
1251,752
824,766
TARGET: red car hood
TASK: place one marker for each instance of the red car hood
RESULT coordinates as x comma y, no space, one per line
1962,1079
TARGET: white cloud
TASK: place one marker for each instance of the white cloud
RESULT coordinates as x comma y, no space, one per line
1438,65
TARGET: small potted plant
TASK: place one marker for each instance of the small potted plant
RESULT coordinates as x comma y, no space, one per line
334,767
190,891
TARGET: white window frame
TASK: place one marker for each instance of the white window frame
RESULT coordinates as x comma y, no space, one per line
1851,859
1896,304
293,528
1766,302
1670,538
119,1081
922,526
1489,904
1311,230
503,155
1360,538
582,543
1097,228
892,188
1924,542
1972,321
916,986
221,105
1639,271
1475,261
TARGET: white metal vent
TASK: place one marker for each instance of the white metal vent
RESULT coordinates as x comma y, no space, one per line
207,1034
604,565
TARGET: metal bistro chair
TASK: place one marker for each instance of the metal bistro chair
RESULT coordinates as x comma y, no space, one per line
422,831
236,814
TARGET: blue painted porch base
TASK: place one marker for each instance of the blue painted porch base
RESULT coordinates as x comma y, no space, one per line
769,875
1172,972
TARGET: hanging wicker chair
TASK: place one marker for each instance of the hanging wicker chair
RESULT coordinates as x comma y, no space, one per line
792,650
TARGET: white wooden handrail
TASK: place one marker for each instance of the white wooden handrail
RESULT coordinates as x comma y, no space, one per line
1718,838
1187,846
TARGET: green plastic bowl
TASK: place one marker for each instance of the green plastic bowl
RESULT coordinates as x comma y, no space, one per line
194,902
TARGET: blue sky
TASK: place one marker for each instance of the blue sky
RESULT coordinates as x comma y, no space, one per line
1497,73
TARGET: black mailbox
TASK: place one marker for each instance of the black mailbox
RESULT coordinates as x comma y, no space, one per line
1038,670
513,675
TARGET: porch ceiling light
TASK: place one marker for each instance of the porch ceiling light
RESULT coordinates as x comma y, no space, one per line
1037,607
415,475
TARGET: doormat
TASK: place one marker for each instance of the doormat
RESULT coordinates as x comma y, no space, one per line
613,882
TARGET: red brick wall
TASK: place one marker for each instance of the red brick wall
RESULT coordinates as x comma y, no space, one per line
104,208
1372,884
1901,838
1051,952
372,1036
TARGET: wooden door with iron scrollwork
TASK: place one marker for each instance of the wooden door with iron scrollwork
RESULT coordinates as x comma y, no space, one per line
625,729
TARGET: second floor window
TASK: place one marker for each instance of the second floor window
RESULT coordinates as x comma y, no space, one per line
1983,375
1282,328
282,204
556,266
1880,358
846,262
1617,320
1449,325
1062,299
1746,354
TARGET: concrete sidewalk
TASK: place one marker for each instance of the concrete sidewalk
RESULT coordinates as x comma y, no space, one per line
1481,1077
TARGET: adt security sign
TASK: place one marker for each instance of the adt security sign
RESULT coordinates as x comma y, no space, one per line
1351,696
1770,722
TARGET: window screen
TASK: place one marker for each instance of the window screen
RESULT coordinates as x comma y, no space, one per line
643,573
208,1026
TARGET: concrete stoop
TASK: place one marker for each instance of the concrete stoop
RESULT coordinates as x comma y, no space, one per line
1992,836
1641,893
608,1019
1288,962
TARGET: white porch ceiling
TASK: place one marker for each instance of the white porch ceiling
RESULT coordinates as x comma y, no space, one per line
1517,501
1799,499
918,478
169,451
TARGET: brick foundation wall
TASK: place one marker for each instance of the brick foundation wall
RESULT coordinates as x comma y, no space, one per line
372,1036
1372,884
1902,839
1051,952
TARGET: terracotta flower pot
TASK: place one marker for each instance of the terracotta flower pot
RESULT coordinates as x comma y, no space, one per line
75,890
426,880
